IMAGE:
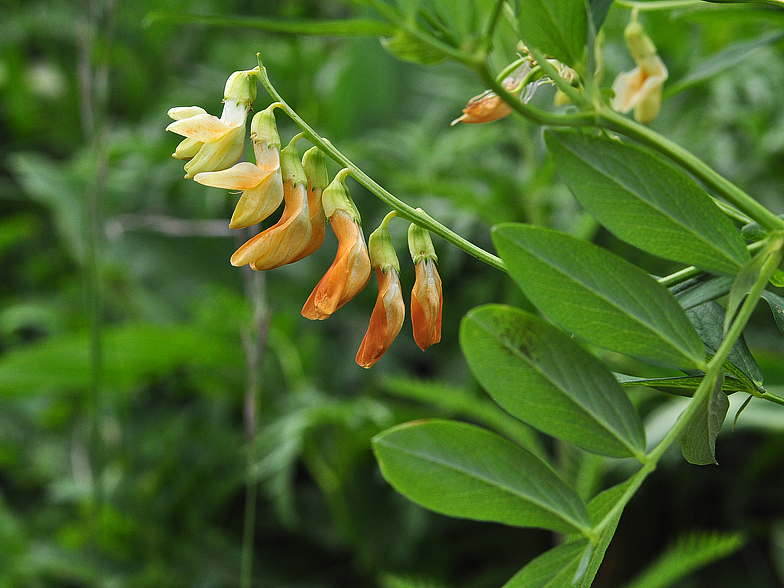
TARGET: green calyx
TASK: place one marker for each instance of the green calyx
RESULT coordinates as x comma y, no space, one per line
242,86
336,197
315,163
264,128
291,166
382,253
639,44
420,244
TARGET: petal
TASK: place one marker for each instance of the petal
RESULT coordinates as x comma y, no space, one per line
181,112
217,155
625,87
258,202
348,274
242,176
187,149
203,127
318,222
281,243
426,304
385,321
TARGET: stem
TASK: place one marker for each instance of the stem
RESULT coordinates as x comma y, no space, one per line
403,210
492,23
254,344
659,5
613,121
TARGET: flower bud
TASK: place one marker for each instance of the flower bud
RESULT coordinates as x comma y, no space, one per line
426,297
241,87
283,242
389,311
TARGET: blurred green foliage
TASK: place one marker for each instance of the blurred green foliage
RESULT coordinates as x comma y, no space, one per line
159,429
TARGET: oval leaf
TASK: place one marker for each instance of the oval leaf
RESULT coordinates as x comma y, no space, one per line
598,296
646,201
465,471
556,27
539,375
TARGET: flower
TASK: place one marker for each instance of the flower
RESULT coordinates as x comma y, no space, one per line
283,242
426,298
640,89
350,271
489,106
389,311
315,164
213,143
262,182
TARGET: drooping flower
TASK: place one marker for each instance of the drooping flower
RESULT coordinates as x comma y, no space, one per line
389,311
262,182
213,143
488,106
283,242
350,271
426,298
315,164
641,88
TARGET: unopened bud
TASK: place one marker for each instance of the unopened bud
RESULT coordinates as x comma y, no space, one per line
241,87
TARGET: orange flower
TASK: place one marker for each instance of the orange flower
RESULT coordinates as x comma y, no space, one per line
386,319
348,274
283,242
426,304
488,106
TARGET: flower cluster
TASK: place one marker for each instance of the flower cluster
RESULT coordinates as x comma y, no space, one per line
212,148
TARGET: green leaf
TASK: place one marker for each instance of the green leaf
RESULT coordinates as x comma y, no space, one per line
541,376
465,471
556,27
698,440
646,201
555,568
353,27
598,296
708,319
684,385
691,552
599,10
743,283
406,47
699,290
776,304
721,62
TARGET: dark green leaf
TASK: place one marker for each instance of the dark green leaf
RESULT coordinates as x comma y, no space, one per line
698,440
555,568
708,319
599,10
743,283
353,27
776,304
598,296
697,291
541,376
465,471
646,201
556,27
684,385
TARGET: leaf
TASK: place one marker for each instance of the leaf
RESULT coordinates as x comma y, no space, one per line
691,552
721,62
598,296
599,10
708,319
684,385
406,47
554,568
353,27
539,375
646,201
776,304
698,440
743,283
132,354
555,27
699,290
465,471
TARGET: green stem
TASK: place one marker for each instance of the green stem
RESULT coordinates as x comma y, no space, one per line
659,5
403,210
613,121
492,23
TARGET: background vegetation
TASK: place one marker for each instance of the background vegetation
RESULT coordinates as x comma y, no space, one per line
124,331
